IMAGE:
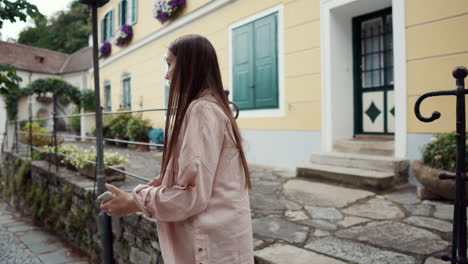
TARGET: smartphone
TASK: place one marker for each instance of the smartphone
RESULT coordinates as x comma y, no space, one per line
105,196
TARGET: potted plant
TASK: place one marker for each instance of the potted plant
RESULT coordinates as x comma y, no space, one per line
137,130
439,155
44,99
105,50
118,127
165,9
124,35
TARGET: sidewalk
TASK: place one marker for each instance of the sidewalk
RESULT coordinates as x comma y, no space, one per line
21,242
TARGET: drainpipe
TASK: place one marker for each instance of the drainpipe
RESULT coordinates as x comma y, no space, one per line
104,223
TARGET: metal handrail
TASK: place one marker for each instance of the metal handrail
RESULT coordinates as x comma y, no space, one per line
92,162
94,138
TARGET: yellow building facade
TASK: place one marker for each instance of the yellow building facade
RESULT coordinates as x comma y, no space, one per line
328,77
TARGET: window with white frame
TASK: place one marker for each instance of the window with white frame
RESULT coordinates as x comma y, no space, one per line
107,26
126,92
107,96
127,12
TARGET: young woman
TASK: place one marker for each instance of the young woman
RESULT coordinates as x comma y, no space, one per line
200,199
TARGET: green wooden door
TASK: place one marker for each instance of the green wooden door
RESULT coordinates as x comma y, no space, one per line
374,108
255,71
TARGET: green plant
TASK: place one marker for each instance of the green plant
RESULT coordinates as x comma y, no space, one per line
440,153
118,126
87,100
78,156
74,122
37,140
137,129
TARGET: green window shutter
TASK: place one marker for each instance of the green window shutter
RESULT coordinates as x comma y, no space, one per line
243,68
266,62
124,12
103,29
111,23
134,11
120,13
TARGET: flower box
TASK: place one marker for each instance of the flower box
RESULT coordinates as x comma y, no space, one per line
111,175
165,9
437,188
124,35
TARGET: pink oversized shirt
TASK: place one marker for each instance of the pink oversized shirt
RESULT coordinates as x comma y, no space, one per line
202,206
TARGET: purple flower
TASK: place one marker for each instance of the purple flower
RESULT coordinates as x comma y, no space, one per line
164,9
105,49
126,34
162,17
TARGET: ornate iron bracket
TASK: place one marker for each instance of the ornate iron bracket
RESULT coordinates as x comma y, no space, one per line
459,243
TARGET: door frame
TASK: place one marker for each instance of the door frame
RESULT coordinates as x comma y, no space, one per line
358,93
335,126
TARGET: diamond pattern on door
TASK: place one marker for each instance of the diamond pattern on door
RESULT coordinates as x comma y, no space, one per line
372,115
391,112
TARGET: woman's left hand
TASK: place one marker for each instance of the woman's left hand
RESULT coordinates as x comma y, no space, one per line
121,205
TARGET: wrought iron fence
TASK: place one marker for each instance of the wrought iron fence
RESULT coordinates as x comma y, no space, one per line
459,243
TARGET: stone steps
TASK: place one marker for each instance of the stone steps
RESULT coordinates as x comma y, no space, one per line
361,161
354,177
365,162
370,147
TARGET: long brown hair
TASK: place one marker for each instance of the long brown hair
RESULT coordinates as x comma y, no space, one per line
196,70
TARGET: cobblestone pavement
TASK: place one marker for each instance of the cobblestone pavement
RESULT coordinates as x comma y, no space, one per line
23,243
300,221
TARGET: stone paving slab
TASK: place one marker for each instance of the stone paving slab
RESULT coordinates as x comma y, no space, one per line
286,254
357,252
23,243
275,227
376,209
322,195
396,235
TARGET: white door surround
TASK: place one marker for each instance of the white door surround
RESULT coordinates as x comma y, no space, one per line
337,68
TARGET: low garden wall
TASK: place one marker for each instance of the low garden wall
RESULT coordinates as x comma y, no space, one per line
62,202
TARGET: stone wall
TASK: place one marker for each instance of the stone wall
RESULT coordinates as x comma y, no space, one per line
62,201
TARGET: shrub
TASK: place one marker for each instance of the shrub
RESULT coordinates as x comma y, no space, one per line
37,140
137,129
441,152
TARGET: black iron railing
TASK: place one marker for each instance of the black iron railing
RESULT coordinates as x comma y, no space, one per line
459,243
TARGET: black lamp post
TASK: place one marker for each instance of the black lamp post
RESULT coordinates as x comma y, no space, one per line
104,223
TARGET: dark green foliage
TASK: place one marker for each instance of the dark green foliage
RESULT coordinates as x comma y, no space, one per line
441,152
17,10
67,31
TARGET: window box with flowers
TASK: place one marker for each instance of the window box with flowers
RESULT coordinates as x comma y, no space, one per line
105,49
439,155
123,36
163,10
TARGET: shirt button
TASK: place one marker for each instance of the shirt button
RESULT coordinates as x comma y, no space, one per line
200,250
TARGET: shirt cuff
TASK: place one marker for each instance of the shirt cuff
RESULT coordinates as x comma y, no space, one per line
140,196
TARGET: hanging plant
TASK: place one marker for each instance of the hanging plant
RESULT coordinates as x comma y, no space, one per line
105,49
165,9
124,35
44,99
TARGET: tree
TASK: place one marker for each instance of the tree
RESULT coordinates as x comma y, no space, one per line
11,11
67,31
20,9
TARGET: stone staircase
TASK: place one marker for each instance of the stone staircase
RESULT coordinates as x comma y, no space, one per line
366,164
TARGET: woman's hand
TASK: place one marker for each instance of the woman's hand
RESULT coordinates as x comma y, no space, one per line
155,182
121,205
